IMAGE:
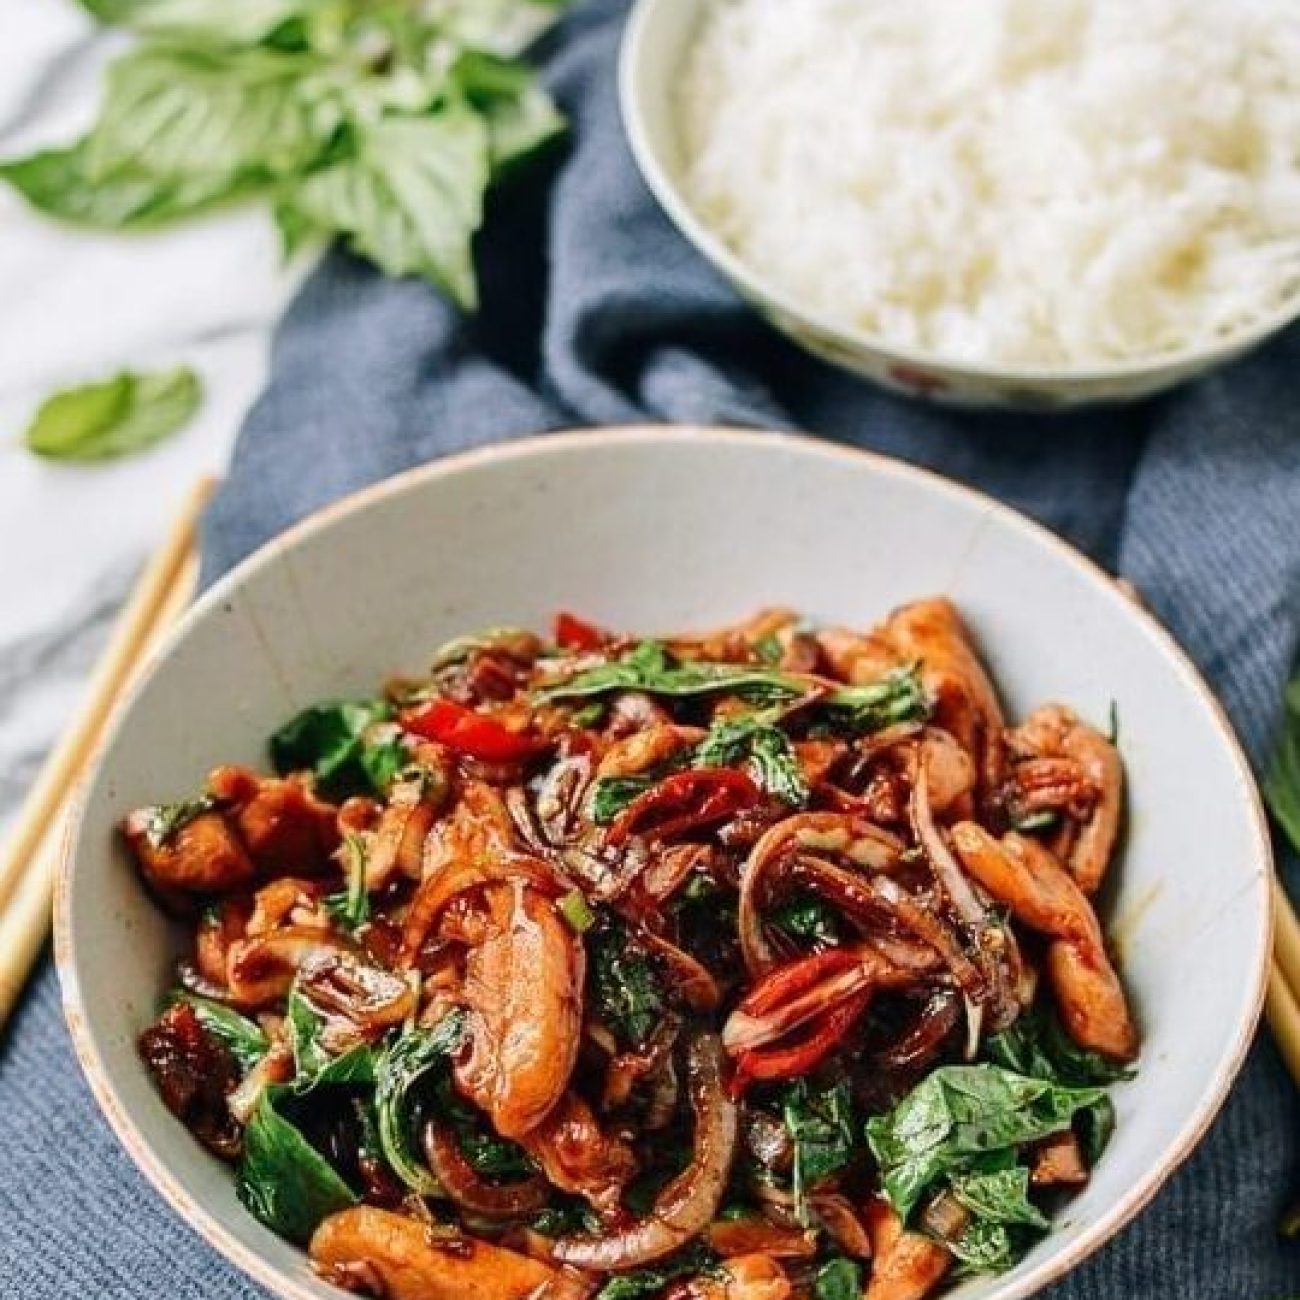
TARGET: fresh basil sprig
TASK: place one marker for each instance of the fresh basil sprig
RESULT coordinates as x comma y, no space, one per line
379,121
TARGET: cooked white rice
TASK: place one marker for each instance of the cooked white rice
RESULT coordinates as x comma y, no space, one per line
1009,181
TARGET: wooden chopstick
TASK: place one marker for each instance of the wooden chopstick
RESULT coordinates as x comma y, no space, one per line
1282,1000
28,863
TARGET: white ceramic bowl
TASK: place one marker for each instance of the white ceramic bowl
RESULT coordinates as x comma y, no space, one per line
657,529
658,35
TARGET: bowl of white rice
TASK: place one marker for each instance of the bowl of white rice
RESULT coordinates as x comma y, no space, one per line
985,202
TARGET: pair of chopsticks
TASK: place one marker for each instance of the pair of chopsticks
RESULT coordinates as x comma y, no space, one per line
29,859
1282,1001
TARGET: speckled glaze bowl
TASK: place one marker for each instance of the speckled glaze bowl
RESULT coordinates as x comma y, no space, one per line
659,529
654,47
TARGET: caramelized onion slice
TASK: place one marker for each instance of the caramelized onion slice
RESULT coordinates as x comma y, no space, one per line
689,1203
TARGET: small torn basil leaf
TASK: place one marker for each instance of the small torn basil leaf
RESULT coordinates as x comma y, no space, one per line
611,794
117,417
766,748
897,697
626,990
352,907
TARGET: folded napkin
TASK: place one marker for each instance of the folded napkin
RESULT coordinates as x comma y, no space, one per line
596,312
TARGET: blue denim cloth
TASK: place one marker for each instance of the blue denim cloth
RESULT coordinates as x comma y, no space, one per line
596,312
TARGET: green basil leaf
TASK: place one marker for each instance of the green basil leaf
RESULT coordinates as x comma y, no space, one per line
329,740
1000,1195
1282,785
959,1113
821,1126
314,1066
283,1180
249,21
1037,1045
896,697
410,197
1096,1126
765,747
500,27
625,988
984,1247
402,1067
241,1037
611,794
645,1282
224,115
838,1279
58,183
115,418
808,918
521,117
650,668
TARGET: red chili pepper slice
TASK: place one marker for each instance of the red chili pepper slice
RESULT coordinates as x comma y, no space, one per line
468,732
801,1057
683,802
788,981
573,633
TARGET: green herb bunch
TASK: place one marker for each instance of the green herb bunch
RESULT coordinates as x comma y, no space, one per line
382,122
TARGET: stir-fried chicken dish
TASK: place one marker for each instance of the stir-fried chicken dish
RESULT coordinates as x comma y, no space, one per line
739,966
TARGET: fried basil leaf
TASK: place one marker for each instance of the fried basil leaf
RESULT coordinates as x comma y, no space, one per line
838,1279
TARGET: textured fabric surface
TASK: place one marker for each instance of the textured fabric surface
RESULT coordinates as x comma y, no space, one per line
596,312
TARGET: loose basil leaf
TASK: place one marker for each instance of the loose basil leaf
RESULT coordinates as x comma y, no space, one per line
983,1247
241,1037
611,794
59,183
283,1180
495,1157
409,197
838,1279
959,1113
999,1195
330,741
765,747
163,821
402,1067
821,1126
1037,1045
768,649
1282,785
625,988
118,417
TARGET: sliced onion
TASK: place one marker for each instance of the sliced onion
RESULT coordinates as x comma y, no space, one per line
937,1019
692,978
689,1203
950,876
773,857
468,1189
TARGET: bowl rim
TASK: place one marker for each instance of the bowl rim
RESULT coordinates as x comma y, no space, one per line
195,1213
1182,362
